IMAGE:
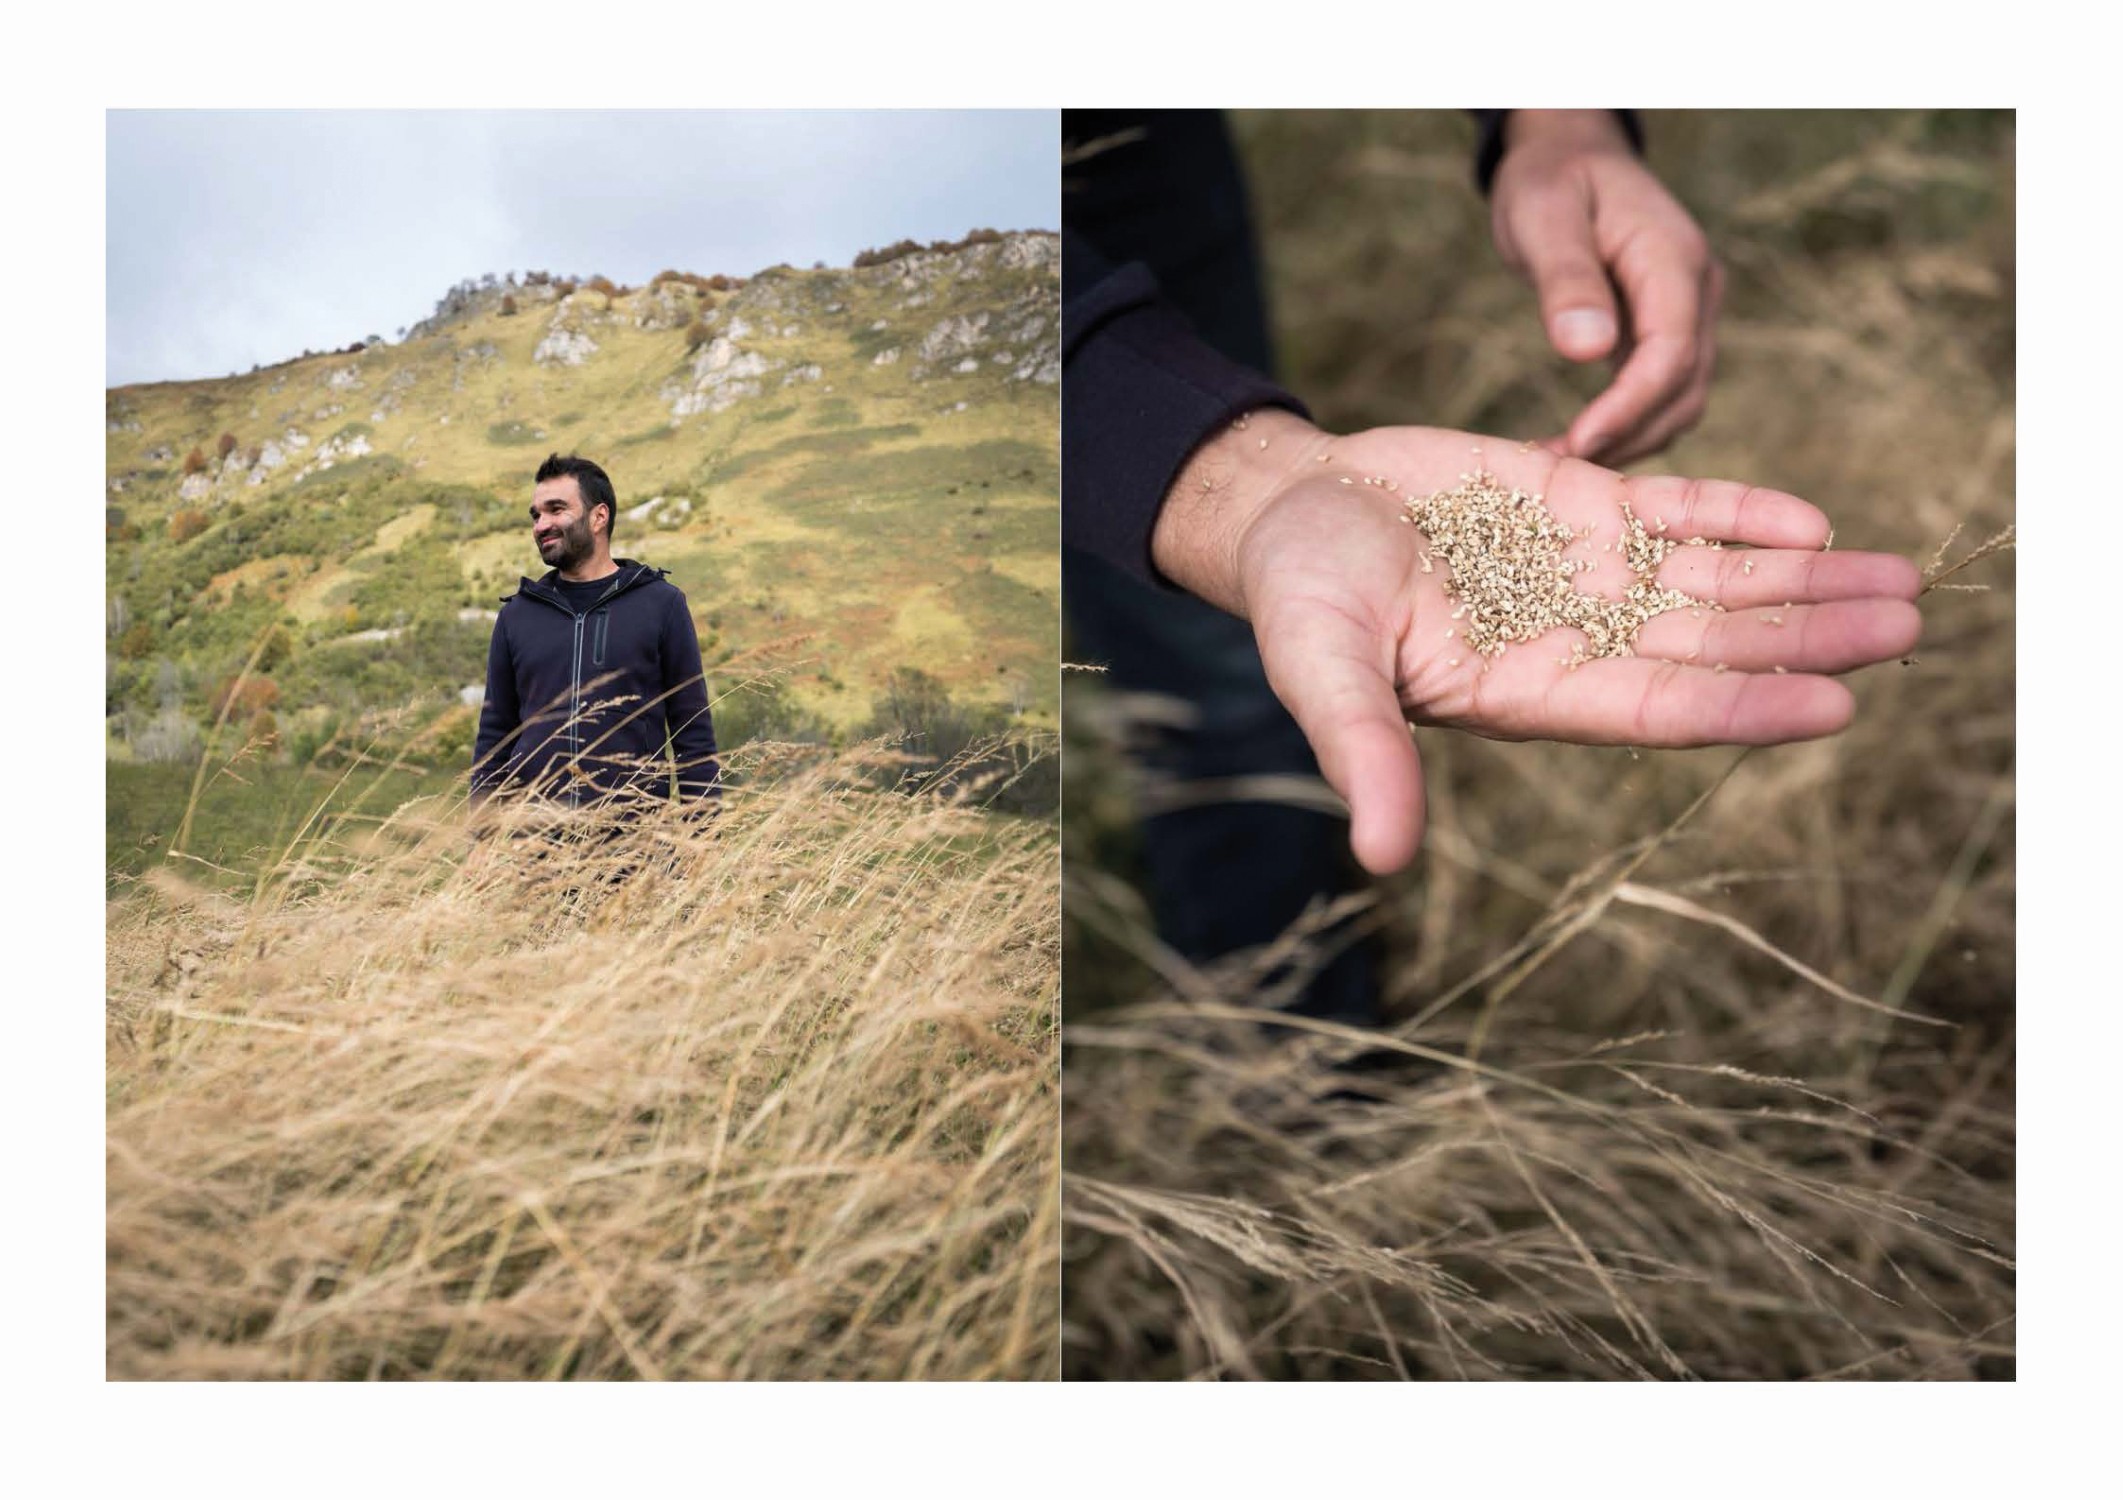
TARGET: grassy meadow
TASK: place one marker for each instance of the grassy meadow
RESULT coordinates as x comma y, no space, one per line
1707,1058
767,1097
396,1093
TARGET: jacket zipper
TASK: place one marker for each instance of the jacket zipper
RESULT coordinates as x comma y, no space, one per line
575,722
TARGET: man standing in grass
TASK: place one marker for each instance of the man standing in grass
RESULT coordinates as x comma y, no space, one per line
595,693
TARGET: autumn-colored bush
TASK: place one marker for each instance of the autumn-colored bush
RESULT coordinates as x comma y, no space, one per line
886,255
696,334
195,462
975,237
226,446
186,524
508,306
605,285
686,278
721,283
243,696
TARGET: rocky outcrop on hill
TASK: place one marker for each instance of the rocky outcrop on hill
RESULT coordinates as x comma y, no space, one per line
564,347
672,304
568,340
951,339
721,376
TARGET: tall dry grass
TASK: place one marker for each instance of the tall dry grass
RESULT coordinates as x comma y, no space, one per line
1702,1065
769,1096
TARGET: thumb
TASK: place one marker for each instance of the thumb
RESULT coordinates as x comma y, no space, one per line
1325,671
1553,232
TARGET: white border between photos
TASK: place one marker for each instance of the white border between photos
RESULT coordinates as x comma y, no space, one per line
1510,1441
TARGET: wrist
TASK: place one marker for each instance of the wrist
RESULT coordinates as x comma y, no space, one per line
1222,487
1575,129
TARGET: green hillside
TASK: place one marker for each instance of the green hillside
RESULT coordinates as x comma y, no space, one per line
849,471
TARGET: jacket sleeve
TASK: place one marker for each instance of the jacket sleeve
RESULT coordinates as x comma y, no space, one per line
500,715
686,717
1140,392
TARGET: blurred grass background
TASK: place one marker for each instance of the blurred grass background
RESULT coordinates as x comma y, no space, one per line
1866,363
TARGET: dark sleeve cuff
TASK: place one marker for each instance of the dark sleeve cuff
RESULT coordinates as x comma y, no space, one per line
1489,148
1140,392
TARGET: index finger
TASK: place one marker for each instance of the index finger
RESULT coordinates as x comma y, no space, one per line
1663,291
1721,510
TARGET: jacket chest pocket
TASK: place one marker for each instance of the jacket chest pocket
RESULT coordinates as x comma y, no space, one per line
600,623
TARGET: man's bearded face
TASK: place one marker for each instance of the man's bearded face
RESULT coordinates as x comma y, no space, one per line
560,524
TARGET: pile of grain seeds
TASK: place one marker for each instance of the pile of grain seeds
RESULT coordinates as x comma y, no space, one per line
1503,554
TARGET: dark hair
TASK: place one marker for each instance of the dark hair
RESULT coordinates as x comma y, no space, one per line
595,484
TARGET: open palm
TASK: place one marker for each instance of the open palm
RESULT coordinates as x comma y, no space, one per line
1359,640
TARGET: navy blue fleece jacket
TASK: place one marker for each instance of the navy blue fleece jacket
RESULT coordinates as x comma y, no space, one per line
584,705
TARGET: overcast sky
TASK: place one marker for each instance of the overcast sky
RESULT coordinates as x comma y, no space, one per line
240,238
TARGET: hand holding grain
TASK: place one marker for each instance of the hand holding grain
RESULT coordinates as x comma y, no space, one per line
1354,606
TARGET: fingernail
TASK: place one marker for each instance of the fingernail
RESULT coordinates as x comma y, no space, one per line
1584,328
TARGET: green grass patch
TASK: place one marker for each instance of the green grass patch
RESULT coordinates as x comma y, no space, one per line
240,825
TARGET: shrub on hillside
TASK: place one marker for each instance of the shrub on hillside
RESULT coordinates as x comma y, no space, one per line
226,446
243,696
964,747
683,278
697,334
137,642
976,237
508,306
604,284
721,283
186,524
195,462
886,255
